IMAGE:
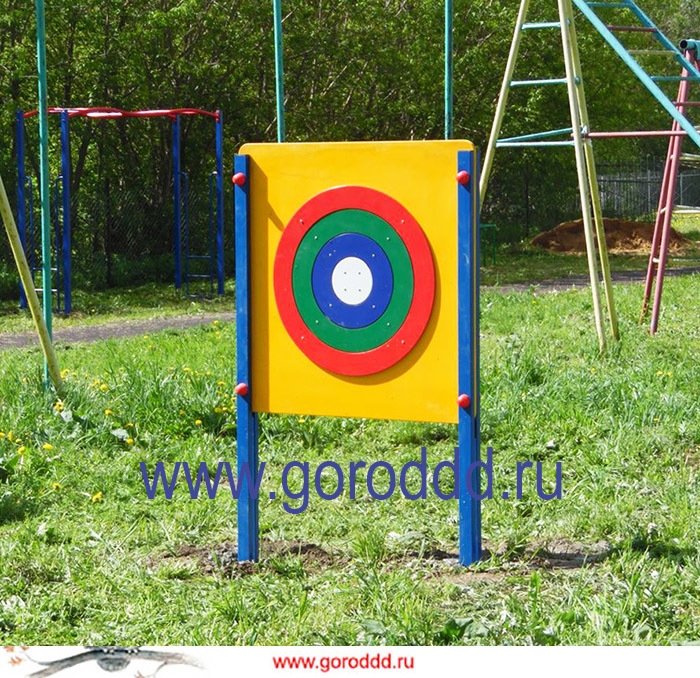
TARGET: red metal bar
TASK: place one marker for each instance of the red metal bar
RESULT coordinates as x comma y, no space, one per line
632,29
112,113
690,104
642,133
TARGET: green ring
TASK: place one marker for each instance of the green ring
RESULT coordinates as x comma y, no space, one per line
380,331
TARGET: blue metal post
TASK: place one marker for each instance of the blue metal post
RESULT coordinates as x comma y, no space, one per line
449,69
468,333
279,71
66,245
178,204
220,202
247,420
21,199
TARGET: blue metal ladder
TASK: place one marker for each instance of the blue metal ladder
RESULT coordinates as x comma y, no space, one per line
210,257
30,248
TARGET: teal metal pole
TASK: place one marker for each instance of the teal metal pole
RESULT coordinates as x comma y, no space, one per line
449,70
279,71
44,170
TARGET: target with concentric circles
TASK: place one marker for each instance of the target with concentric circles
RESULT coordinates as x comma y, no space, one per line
354,280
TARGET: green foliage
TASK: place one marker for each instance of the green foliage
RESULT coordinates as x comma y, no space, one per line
354,70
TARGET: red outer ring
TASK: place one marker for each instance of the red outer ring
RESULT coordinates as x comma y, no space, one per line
408,229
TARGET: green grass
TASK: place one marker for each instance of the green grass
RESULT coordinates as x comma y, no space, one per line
86,558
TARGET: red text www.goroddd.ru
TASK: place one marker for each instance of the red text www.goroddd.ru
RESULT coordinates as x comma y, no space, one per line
479,480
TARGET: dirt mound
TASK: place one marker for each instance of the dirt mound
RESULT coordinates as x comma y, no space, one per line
621,237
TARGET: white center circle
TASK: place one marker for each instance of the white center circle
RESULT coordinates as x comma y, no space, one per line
352,281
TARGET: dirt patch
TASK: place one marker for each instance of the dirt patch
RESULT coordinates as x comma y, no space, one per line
562,554
283,557
622,237
297,559
556,554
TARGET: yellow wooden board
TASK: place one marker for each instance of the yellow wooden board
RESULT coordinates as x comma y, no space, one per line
421,176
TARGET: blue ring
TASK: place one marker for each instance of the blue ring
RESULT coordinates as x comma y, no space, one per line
366,249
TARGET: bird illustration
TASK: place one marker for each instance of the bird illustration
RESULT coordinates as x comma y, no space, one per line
114,658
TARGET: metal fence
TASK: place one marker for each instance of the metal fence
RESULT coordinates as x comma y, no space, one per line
631,190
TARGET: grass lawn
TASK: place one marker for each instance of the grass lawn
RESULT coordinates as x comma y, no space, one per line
86,558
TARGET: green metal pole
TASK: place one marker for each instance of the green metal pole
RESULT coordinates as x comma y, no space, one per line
279,71
44,169
449,70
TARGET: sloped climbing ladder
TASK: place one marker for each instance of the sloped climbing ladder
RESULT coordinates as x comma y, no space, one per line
572,136
656,267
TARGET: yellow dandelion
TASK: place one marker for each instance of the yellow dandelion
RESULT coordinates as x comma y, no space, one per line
197,422
218,410
9,435
18,441
2,435
104,388
216,322
57,486
21,450
96,497
129,441
301,420
129,425
669,374
58,406
64,373
145,336
660,373
108,413
47,446
220,383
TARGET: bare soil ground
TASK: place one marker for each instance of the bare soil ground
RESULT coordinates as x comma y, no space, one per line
622,237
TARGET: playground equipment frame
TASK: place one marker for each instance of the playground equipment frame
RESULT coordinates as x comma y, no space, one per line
103,113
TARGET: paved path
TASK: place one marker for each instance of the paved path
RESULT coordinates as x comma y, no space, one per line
121,330
133,328
574,281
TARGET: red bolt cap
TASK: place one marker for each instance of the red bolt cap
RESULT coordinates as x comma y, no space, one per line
463,177
241,389
238,178
464,401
